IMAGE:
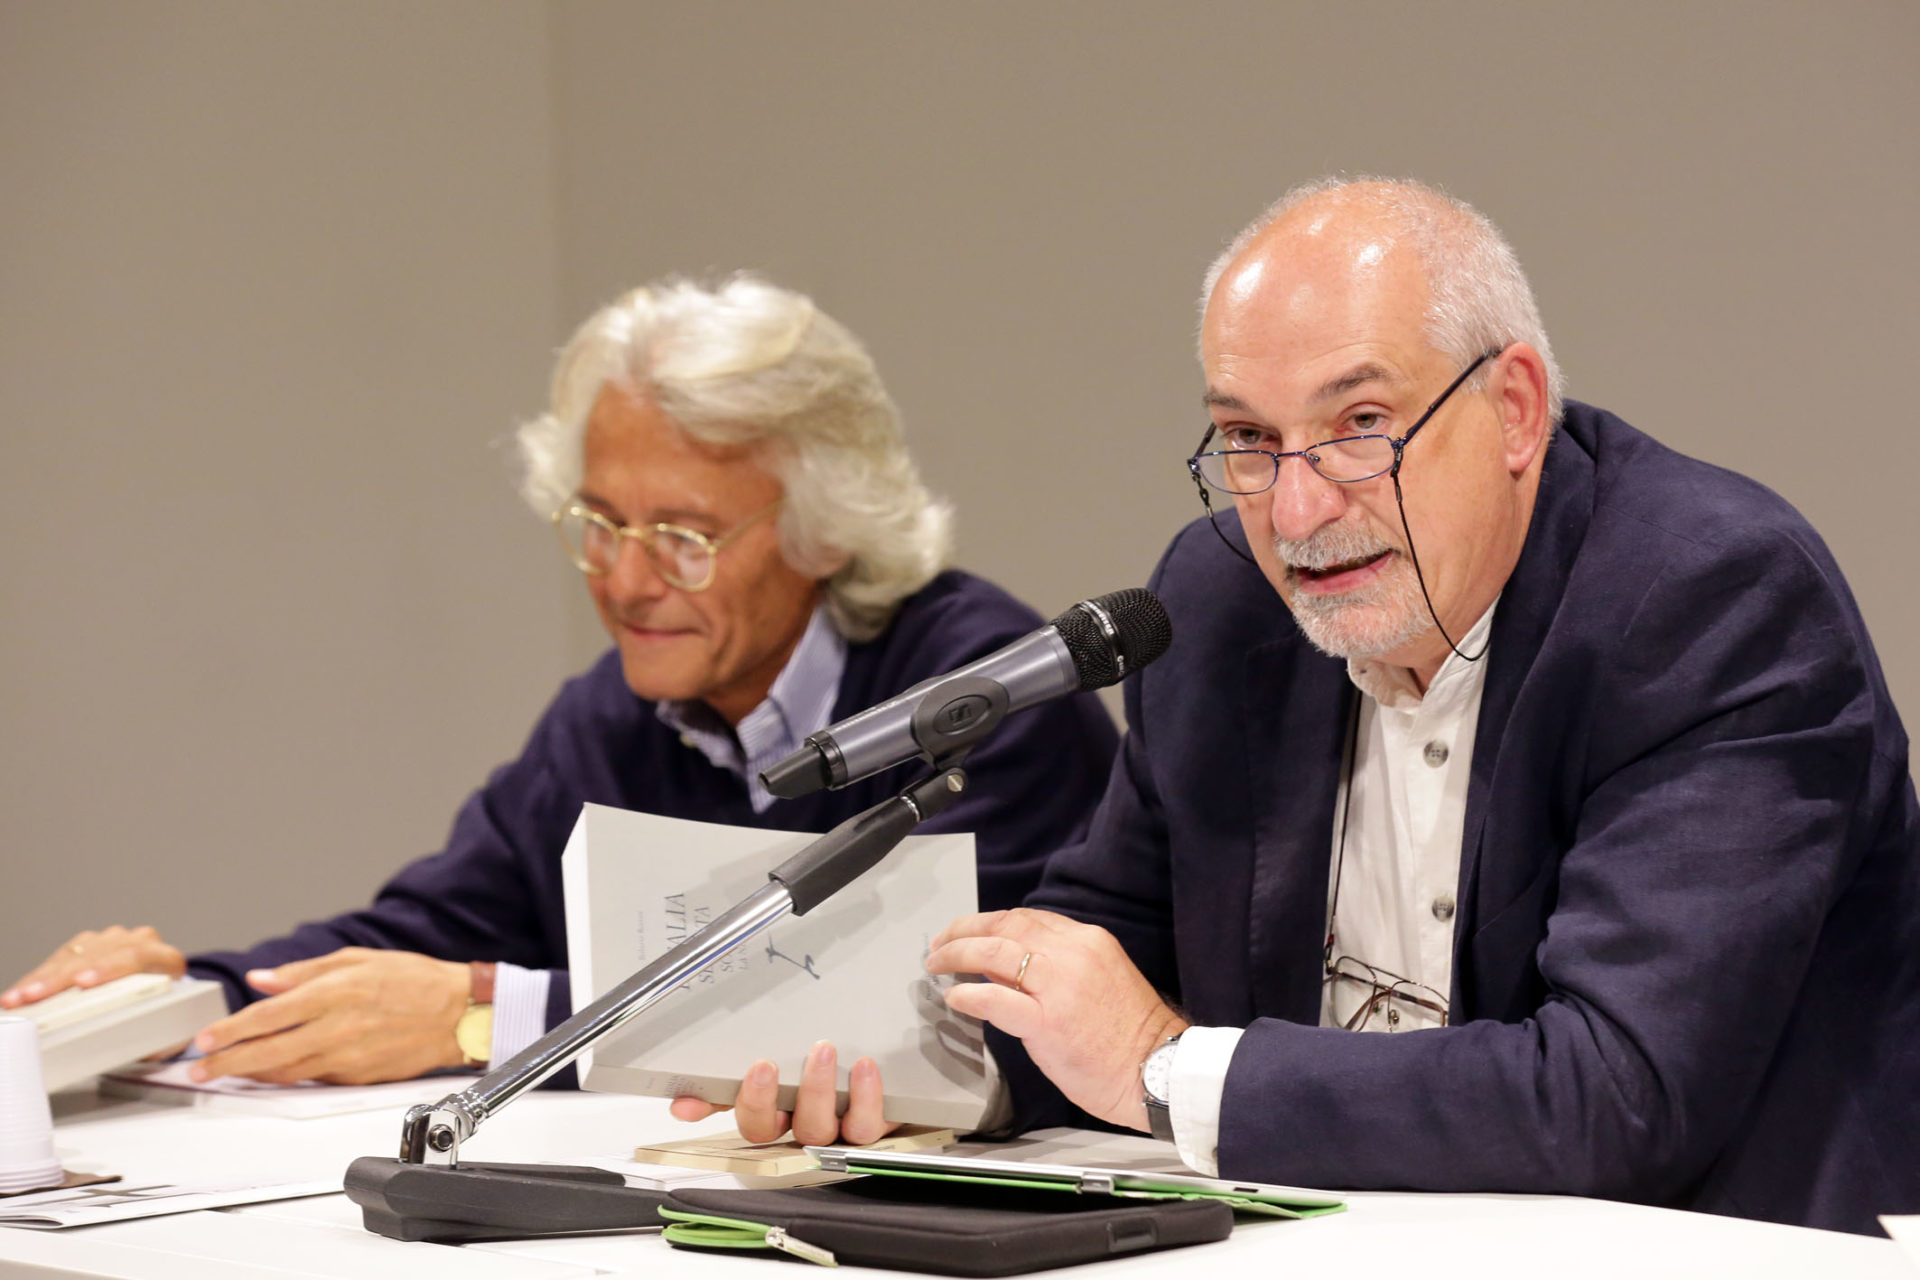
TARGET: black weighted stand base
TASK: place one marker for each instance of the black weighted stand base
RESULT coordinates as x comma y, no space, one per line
454,1205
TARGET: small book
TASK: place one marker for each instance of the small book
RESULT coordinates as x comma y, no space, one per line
731,1153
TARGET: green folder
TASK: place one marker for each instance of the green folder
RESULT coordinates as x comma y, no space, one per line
1244,1197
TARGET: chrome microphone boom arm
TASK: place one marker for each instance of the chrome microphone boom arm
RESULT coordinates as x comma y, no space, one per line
432,1132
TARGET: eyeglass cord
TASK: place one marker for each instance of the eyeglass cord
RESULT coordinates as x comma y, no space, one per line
1421,578
1346,810
1328,971
1419,575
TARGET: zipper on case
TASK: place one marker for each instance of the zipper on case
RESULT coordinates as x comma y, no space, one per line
779,1239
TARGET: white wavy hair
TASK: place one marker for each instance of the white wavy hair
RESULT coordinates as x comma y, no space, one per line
1478,297
747,362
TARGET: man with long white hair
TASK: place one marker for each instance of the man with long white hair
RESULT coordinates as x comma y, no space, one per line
726,471
1519,808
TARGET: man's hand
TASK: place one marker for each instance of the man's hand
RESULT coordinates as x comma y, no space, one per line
356,1016
814,1120
1068,992
91,958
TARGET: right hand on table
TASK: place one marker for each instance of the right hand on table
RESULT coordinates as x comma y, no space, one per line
358,1015
814,1120
93,957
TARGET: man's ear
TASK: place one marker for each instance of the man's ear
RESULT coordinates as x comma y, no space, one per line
1519,382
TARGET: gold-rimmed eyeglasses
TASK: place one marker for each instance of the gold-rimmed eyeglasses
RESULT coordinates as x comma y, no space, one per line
684,557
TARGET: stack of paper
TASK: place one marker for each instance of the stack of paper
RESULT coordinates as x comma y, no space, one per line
115,1202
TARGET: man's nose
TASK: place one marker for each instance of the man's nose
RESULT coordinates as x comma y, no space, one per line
634,576
1302,500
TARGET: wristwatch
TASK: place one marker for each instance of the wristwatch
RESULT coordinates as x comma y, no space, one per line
474,1032
1156,1086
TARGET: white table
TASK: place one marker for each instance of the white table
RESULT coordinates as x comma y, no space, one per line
1482,1237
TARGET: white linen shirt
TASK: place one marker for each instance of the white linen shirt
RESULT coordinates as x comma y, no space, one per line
1396,878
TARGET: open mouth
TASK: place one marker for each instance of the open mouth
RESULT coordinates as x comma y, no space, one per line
1335,570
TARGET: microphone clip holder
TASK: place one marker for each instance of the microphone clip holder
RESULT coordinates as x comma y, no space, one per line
427,1194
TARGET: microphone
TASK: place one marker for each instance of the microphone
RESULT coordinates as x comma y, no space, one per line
1092,645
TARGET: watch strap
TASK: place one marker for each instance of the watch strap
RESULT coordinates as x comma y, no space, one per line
1159,1109
480,975
474,1031
1160,1120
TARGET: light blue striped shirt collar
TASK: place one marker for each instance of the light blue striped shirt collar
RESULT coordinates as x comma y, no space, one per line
799,702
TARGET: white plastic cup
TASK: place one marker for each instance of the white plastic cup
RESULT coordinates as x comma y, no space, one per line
27,1159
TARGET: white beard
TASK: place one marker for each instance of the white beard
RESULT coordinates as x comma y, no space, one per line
1387,614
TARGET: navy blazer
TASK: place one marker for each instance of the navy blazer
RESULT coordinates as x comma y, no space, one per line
1689,903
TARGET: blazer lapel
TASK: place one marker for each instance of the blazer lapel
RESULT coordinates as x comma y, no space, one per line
1296,710
1561,514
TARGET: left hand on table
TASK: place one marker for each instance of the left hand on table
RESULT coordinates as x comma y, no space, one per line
1085,1014
355,1016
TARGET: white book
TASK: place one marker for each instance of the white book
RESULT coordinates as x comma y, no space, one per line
86,1031
850,971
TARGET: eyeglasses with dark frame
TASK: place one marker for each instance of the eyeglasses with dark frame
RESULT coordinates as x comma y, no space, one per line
1348,460
686,558
1385,993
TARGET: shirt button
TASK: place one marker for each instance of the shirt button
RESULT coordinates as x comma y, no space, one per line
1435,754
1443,907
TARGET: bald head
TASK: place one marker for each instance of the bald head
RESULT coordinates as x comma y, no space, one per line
1329,273
1474,296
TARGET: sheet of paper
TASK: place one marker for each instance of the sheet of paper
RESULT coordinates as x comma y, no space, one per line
168,1082
117,1202
1905,1230
850,971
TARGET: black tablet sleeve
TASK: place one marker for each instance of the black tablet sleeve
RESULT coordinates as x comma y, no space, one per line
945,1228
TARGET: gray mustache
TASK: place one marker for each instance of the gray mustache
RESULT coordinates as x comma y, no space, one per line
1327,548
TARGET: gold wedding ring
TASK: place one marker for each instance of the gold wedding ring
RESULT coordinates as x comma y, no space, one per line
1020,976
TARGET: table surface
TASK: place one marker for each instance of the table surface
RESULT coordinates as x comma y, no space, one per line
1481,1236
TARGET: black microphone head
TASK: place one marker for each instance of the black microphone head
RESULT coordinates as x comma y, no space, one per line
804,772
1114,635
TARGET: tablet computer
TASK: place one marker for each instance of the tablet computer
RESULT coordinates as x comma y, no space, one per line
1253,1197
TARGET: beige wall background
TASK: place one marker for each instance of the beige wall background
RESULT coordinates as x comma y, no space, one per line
275,281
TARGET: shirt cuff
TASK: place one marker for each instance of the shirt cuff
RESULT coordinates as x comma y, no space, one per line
519,1009
1199,1082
